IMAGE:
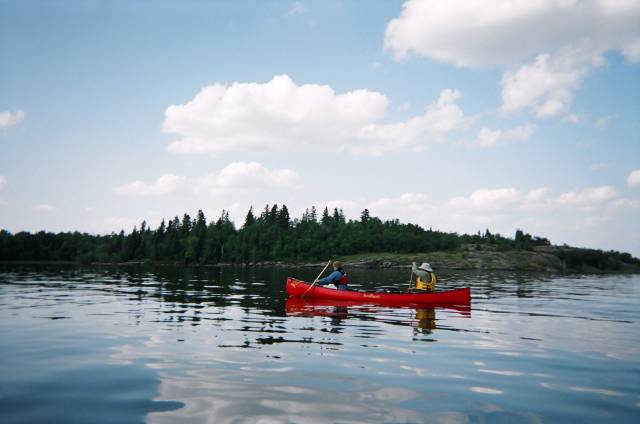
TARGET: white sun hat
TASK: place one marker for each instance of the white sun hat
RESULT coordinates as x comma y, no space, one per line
426,267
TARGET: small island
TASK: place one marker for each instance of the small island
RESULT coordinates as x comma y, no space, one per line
274,238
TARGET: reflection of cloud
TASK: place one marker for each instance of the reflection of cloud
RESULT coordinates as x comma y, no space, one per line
501,372
486,390
604,392
212,396
397,394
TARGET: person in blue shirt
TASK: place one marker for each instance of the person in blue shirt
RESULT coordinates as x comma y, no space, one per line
337,277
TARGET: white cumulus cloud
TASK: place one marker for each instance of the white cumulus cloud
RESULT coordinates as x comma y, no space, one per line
490,138
442,117
545,85
487,199
510,198
9,119
167,183
589,196
236,175
633,180
281,116
474,33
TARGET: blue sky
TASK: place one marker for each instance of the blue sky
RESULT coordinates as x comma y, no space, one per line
457,116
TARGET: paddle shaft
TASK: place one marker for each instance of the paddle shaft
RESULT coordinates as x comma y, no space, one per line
317,278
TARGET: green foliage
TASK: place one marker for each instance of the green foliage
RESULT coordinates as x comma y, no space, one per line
590,259
273,236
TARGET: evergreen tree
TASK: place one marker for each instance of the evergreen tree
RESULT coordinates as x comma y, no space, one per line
313,215
273,215
284,220
365,216
338,216
325,220
249,220
185,227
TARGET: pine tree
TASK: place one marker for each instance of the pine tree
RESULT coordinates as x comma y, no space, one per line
284,220
365,216
185,227
326,220
313,215
273,215
200,221
250,219
338,216
161,229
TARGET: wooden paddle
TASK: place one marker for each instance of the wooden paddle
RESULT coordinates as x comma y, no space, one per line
317,278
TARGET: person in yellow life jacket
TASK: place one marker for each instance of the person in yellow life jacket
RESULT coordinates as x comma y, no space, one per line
425,278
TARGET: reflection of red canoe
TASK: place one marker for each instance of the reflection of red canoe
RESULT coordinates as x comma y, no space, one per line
451,297
328,307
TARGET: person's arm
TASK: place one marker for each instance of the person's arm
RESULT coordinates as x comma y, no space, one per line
329,279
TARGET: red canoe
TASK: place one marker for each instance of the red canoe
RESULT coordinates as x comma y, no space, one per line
298,288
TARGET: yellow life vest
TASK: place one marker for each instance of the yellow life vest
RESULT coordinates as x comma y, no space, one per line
424,285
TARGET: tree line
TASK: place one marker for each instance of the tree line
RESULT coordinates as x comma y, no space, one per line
271,235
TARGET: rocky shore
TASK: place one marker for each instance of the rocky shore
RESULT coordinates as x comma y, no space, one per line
548,259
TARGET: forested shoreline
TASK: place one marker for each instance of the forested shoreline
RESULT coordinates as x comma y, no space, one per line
273,236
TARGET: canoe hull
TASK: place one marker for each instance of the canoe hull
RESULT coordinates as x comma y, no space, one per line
298,288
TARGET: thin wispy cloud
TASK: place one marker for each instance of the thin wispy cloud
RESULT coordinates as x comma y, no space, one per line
295,9
491,138
235,176
44,207
10,119
603,121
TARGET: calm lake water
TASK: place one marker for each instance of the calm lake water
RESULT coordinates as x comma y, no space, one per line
222,345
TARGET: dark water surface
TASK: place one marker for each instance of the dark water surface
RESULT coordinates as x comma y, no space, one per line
222,345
